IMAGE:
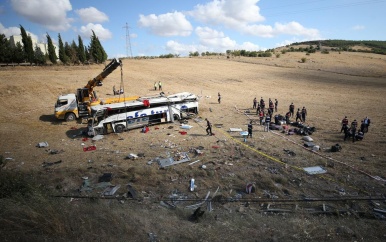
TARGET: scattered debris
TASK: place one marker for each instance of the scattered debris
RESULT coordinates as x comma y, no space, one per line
197,214
45,164
111,190
309,144
180,157
185,126
131,191
250,188
336,148
106,177
194,162
235,130
192,185
97,137
314,170
90,148
218,125
132,156
42,145
307,138
290,152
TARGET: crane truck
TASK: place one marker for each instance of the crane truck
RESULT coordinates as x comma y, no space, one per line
72,106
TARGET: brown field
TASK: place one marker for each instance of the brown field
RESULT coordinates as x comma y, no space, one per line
330,86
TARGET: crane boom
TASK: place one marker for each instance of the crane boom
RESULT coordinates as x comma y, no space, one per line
98,80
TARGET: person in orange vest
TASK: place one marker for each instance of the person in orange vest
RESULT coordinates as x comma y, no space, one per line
344,123
261,115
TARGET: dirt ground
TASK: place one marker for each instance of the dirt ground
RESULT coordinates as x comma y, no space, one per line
330,86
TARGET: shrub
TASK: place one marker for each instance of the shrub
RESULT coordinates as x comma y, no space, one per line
277,55
303,60
325,52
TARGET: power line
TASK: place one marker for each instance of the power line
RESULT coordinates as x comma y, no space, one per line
128,42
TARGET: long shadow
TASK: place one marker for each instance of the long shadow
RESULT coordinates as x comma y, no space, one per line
198,135
49,118
77,133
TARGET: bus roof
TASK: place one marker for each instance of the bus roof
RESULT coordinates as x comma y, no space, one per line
157,99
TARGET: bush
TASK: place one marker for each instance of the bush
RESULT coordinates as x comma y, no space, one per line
303,60
278,55
325,52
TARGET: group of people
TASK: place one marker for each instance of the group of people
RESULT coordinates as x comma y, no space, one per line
300,114
158,85
261,109
352,129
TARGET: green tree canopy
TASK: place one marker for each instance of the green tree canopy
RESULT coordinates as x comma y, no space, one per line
27,45
51,50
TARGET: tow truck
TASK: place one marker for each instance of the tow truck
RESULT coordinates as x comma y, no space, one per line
71,106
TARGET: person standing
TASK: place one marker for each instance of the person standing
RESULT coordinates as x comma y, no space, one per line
155,86
344,124
276,104
367,124
219,98
304,114
354,125
298,115
287,116
254,103
363,126
208,127
292,109
261,116
258,109
267,123
250,127
159,86
271,105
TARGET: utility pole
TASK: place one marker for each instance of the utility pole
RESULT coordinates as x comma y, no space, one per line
128,43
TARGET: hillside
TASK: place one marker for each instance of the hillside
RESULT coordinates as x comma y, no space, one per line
44,195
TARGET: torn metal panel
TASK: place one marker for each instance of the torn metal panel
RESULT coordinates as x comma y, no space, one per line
314,170
111,190
195,206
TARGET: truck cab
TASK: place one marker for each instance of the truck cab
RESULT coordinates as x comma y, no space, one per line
66,107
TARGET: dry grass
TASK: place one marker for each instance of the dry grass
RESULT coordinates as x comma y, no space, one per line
330,86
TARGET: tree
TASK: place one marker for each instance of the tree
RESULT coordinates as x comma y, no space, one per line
51,50
62,54
17,53
5,49
40,58
96,50
27,45
71,52
81,50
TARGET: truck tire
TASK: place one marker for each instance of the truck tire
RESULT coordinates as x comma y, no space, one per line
119,128
70,117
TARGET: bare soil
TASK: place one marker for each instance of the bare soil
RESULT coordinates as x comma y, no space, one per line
330,86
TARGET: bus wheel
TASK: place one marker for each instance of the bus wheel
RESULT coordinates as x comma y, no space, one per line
119,128
70,117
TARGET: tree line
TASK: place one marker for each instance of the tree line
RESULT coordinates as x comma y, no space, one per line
74,53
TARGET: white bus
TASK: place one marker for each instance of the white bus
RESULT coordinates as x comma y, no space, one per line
119,117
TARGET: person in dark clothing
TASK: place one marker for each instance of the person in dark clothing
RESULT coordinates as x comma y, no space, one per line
344,124
363,126
346,130
359,135
250,127
287,116
271,105
262,104
298,115
219,98
258,109
208,127
354,125
267,123
304,114
276,104
254,103
292,109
